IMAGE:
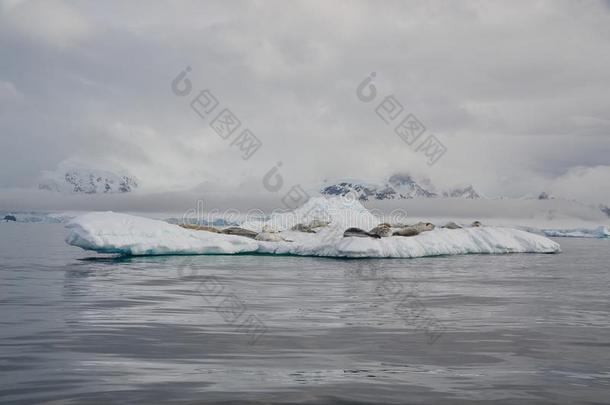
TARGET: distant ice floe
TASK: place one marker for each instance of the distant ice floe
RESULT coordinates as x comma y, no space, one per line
600,232
108,232
38,217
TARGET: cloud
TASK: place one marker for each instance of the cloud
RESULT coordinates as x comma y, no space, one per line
518,97
9,93
51,21
584,183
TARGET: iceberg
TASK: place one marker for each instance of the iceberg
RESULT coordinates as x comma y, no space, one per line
109,232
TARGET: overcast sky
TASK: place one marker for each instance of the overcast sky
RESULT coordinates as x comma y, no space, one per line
517,91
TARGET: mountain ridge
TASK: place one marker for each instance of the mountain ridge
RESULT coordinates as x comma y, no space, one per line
398,186
87,181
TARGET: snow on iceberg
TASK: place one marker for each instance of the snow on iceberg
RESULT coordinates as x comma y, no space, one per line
108,232
341,213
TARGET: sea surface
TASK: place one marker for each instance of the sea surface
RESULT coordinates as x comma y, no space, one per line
77,327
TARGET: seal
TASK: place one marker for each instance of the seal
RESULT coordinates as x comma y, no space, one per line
302,228
359,233
382,230
311,227
476,224
239,232
451,225
414,230
318,223
269,235
200,228
406,231
423,226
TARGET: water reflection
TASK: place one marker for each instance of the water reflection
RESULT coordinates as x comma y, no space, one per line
518,327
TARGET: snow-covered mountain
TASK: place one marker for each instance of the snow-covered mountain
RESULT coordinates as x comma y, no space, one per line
462,192
87,181
361,191
398,186
408,187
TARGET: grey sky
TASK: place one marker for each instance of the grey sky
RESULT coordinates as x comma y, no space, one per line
519,92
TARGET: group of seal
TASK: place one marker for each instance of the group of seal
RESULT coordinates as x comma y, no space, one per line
382,230
267,234
233,230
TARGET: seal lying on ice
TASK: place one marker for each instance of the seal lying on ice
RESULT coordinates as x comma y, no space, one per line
406,231
382,230
239,232
270,235
319,223
200,228
359,233
452,225
311,227
476,224
302,228
414,230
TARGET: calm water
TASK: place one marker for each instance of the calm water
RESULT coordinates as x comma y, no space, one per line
78,328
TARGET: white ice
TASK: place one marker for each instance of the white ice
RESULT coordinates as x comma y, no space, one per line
108,232
600,232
